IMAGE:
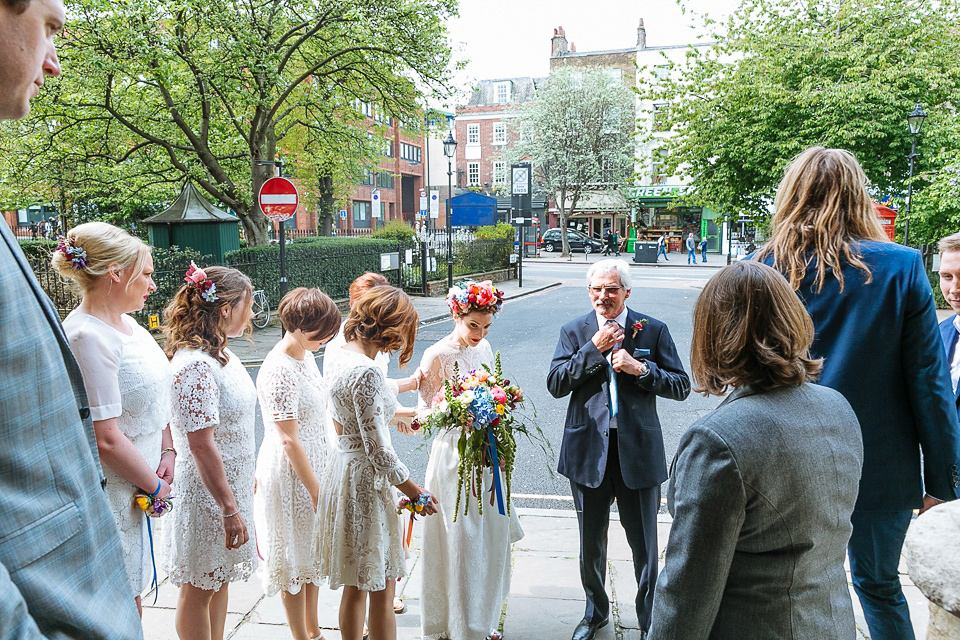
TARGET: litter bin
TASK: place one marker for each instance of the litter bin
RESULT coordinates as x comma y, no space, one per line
645,252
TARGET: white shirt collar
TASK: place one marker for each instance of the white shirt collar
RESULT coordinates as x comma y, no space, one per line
956,322
621,319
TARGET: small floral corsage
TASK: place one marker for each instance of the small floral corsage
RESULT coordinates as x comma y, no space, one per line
415,507
153,507
638,326
198,278
73,253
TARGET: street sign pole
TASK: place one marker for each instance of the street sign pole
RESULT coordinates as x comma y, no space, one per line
521,182
278,200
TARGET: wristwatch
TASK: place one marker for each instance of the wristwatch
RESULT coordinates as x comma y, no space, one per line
644,368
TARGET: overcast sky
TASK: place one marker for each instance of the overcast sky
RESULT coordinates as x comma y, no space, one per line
511,38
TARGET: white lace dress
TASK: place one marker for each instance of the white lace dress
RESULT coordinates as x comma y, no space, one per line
289,389
358,533
467,563
208,395
126,377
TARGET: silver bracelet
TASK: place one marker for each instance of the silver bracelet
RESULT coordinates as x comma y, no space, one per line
235,513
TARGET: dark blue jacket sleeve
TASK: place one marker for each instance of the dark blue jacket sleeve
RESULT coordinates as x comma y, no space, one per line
573,364
667,378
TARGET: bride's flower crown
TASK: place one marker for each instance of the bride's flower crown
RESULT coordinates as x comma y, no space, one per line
474,296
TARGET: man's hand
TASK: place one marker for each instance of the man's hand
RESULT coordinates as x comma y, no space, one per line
623,361
607,336
928,503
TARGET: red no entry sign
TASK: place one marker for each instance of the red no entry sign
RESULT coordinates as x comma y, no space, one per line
278,199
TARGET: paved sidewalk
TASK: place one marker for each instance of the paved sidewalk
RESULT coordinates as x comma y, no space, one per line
430,310
675,260
545,600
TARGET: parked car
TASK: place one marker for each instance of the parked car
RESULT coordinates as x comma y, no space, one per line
552,241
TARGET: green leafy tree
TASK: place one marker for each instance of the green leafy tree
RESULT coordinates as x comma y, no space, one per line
789,74
578,136
157,91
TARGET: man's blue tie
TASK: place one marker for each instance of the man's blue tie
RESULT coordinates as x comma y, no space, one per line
614,408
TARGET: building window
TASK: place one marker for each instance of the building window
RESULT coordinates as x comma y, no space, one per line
473,134
502,92
361,214
499,172
367,178
409,152
385,180
659,170
388,149
473,174
499,133
366,108
660,112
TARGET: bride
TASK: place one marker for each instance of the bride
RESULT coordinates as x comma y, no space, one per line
466,564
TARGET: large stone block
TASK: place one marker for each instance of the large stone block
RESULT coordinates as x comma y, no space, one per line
933,560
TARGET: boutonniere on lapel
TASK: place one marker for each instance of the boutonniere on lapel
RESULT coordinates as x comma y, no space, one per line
638,326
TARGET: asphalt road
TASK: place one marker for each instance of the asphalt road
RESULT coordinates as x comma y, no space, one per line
526,332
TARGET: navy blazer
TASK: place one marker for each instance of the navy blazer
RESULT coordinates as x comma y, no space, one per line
579,369
948,334
883,353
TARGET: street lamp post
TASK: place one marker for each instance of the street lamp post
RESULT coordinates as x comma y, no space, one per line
449,149
915,122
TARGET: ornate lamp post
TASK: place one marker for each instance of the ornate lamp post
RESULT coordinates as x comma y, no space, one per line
449,149
915,122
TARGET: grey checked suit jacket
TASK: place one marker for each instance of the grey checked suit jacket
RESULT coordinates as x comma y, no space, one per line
762,491
62,572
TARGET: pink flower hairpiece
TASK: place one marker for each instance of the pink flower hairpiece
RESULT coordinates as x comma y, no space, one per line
475,296
198,278
73,253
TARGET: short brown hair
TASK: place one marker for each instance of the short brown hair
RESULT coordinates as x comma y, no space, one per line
384,317
950,243
190,321
311,311
364,283
750,328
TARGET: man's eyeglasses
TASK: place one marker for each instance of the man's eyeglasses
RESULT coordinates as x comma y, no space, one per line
610,291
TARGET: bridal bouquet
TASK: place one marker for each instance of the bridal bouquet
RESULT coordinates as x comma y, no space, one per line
481,405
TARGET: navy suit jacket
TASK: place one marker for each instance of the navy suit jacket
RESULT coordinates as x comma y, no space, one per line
580,370
948,333
882,351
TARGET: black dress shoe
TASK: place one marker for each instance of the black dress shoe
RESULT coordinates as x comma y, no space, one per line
587,630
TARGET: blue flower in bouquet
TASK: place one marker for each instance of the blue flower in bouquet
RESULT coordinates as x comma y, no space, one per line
483,408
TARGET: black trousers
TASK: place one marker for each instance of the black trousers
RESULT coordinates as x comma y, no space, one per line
638,515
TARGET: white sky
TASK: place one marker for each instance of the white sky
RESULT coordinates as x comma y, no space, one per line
511,38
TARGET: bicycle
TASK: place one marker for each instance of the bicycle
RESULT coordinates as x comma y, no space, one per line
261,309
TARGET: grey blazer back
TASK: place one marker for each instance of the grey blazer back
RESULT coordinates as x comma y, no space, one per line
762,491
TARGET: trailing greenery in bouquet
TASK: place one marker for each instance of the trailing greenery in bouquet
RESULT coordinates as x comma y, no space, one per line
482,406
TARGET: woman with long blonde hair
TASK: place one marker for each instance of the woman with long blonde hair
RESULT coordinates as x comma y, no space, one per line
876,328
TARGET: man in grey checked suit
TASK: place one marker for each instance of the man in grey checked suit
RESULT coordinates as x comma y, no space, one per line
61,567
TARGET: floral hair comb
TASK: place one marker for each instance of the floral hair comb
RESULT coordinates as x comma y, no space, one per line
475,296
198,278
73,253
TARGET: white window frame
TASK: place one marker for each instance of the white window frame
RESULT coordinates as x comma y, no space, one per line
499,172
473,174
499,133
473,134
501,92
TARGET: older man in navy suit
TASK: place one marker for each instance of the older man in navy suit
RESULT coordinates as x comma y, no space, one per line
614,362
950,287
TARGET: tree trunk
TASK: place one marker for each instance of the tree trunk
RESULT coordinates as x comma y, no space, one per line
254,222
327,206
254,227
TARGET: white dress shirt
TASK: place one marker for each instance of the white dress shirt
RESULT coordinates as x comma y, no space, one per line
621,320
955,357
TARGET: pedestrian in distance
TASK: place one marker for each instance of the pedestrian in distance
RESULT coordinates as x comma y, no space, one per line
62,571
662,248
207,538
691,249
950,288
33,230
291,459
615,242
614,362
703,249
761,517
876,328
126,376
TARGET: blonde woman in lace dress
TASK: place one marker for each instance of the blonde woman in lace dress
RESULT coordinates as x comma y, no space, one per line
466,564
126,376
206,539
358,534
291,459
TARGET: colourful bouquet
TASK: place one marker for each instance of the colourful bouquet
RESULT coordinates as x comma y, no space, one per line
482,406
153,507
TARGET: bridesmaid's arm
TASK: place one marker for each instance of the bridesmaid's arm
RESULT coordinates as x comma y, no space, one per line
214,477
168,457
431,378
290,437
121,456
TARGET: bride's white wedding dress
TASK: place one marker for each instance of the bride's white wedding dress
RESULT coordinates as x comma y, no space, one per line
466,564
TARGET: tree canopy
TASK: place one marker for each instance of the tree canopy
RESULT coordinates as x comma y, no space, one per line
789,74
157,91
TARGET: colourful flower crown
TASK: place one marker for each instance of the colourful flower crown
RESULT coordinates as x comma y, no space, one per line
73,253
198,278
475,296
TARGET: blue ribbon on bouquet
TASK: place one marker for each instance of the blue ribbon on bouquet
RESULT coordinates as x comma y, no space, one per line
153,560
497,489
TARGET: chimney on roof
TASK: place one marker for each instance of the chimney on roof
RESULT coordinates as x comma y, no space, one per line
558,44
641,36
573,47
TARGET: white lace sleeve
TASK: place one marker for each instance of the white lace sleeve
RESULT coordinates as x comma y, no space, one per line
432,378
369,396
196,396
99,363
279,393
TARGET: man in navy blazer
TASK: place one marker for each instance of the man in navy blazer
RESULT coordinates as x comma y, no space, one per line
950,287
614,362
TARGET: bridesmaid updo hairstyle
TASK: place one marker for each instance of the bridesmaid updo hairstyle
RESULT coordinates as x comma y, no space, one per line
193,322
94,249
364,283
311,311
384,317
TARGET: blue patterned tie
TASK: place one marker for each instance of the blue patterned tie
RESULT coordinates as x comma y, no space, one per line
614,407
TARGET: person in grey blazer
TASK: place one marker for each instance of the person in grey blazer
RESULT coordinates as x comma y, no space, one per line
61,567
763,488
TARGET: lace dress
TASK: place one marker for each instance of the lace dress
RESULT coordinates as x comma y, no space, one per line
289,389
126,377
206,395
358,533
467,563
